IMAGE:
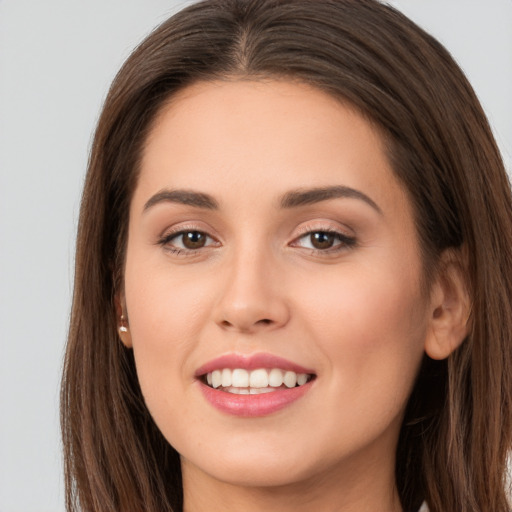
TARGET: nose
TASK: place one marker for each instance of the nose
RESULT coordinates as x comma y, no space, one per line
252,298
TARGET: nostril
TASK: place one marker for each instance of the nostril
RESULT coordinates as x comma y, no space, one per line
226,324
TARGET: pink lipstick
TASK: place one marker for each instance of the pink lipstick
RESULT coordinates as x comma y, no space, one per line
255,385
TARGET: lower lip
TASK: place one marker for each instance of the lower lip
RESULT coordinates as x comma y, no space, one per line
253,405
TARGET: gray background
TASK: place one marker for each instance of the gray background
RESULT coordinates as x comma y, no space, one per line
57,58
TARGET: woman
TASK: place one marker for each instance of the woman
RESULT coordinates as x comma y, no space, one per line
292,276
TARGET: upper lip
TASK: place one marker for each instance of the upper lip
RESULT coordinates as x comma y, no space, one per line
250,362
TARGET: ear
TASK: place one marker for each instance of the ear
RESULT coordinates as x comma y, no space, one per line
123,328
450,307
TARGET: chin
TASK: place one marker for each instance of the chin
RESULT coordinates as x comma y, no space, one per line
258,464
247,473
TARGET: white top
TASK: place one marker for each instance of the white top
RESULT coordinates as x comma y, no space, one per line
423,508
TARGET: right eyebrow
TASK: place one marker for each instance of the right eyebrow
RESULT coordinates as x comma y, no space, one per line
187,197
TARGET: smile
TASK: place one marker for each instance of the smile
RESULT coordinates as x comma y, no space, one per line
253,385
253,382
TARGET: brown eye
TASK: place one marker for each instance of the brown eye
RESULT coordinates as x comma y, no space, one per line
186,241
328,242
193,239
322,239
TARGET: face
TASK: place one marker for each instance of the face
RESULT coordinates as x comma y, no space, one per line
272,285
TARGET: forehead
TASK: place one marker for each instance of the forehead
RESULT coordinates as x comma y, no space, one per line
262,138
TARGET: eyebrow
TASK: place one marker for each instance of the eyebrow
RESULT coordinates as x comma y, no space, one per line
302,197
188,197
292,199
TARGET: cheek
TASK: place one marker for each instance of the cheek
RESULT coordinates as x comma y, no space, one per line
371,328
163,304
165,315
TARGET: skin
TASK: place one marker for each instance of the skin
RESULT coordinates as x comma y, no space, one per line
354,313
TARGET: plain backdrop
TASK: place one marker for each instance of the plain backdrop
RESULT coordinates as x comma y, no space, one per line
57,58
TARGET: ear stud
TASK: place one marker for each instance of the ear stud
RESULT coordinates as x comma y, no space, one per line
122,327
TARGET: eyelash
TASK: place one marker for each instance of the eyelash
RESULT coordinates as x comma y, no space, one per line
345,242
166,239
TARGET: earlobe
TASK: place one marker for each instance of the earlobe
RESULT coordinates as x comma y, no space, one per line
450,308
123,327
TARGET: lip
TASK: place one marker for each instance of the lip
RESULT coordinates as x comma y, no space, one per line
250,362
252,405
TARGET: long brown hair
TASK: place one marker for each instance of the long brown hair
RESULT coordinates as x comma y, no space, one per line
457,428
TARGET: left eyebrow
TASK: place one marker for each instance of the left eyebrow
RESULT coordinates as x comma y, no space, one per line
303,197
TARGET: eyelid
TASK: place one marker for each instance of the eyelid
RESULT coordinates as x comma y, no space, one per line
169,234
187,226
347,241
325,226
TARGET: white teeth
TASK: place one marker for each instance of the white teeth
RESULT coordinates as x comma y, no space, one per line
226,377
290,379
247,391
275,378
216,378
259,391
302,378
241,381
240,378
258,379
